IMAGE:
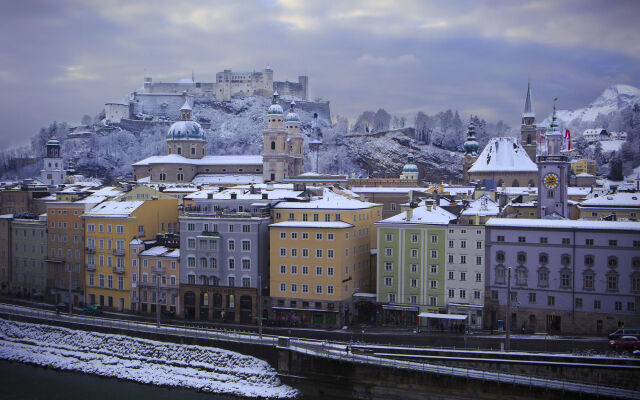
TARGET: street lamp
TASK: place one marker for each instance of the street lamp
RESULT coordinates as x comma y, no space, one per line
507,340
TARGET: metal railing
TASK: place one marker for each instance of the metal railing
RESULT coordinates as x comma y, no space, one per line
318,348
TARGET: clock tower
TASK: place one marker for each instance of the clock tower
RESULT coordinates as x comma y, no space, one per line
553,174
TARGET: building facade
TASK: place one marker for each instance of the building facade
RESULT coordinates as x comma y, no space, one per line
578,277
5,253
109,229
320,256
155,274
224,260
28,254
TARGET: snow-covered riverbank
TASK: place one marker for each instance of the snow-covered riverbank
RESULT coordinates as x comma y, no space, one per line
140,360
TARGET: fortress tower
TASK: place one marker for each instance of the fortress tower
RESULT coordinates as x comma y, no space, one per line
528,130
186,137
553,174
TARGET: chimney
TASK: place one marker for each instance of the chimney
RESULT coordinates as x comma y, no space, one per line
234,195
209,196
265,196
252,189
409,214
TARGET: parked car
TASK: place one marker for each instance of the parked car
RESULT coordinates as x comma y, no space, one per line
625,342
93,309
62,307
624,332
168,313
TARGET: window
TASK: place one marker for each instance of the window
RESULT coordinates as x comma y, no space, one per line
305,235
478,260
231,263
434,253
283,269
232,244
434,268
318,287
566,241
500,257
305,288
450,258
318,271
246,228
433,284
388,281
500,274
478,244
330,236
500,238
414,268
578,302
392,297
613,261
294,288
330,271
544,240
315,219
294,252
305,270
612,282
596,304
388,251
532,298
433,301
232,281
522,239
463,276
631,307
521,276
463,294
551,300
388,267
588,242
246,281
522,257
451,244
305,253
246,245
618,306
613,243
318,236
463,244
588,280
451,275
283,252
414,253
283,235
543,277
434,238
246,264
318,253
283,287
191,243
452,293
414,283
565,259
463,259
413,299
330,253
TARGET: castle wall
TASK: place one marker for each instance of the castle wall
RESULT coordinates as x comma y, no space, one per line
114,112
164,105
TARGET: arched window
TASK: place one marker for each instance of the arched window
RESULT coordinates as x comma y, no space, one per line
500,257
515,183
635,282
273,145
213,263
544,258
531,183
522,257
613,261
500,183
529,139
179,150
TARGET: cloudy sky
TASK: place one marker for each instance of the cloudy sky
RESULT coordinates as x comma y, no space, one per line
63,59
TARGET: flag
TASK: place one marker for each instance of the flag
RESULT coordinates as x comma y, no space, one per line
567,139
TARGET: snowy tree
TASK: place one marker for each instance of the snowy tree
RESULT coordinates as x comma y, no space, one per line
86,120
381,120
364,123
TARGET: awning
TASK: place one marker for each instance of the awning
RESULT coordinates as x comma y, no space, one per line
442,316
303,309
399,308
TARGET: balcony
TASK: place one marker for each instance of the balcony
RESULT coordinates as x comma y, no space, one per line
90,250
118,270
91,267
118,252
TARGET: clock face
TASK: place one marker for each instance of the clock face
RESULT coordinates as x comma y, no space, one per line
550,180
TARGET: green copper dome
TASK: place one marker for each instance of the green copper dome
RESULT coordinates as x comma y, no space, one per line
471,144
292,116
275,108
185,130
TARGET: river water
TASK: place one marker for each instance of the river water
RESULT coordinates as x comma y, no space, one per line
26,382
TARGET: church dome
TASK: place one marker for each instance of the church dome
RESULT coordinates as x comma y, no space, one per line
275,108
410,166
185,130
53,142
471,144
292,116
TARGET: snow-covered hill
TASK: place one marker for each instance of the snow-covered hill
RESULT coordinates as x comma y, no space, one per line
614,99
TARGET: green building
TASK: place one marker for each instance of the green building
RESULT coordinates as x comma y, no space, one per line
411,264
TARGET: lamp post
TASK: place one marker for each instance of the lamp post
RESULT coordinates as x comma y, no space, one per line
507,340
158,276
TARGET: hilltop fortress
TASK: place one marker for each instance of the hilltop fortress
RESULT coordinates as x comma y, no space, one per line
229,83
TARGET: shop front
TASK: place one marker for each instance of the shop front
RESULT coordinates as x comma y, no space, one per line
397,315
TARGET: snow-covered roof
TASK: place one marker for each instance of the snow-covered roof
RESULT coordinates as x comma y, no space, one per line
329,200
161,251
114,208
482,206
367,189
311,224
206,160
93,199
226,179
620,199
109,191
454,190
423,215
503,154
136,241
562,224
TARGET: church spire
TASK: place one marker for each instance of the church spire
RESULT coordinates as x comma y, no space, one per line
471,144
528,104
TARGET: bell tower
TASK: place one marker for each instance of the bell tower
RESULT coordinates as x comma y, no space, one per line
296,141
52,172
553,173
470,151
275,150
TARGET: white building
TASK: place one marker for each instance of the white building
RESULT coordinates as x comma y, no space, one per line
52,172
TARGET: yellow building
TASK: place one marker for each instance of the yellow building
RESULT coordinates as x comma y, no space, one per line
320,256
584,167
109,229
